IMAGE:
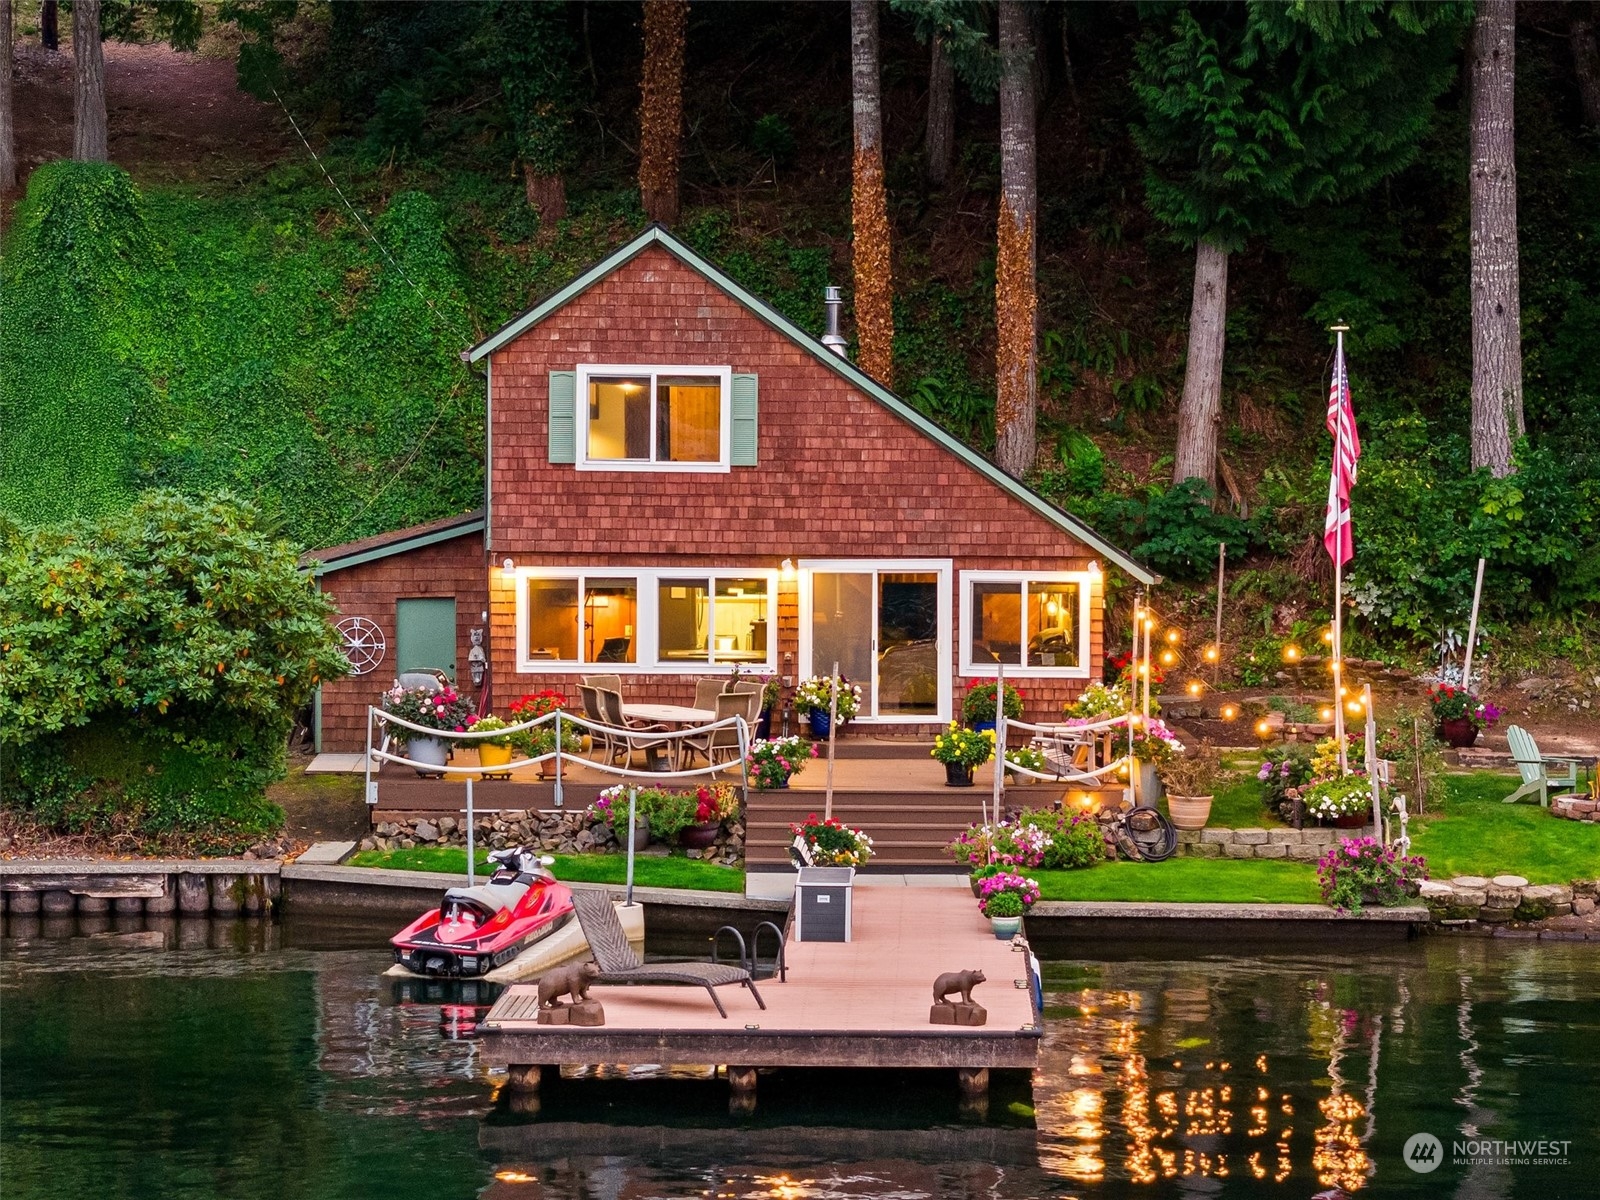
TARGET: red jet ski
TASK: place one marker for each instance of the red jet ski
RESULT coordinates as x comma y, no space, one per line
476,929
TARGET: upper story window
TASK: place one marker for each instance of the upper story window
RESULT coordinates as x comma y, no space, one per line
654,418
1036,623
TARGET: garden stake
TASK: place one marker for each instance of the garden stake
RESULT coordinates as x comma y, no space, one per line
1472,630
833,723
1416,761
1216,666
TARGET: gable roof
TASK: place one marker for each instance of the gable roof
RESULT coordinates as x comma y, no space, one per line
353,554
655,235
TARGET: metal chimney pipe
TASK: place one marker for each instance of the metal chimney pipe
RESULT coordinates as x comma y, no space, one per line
833,304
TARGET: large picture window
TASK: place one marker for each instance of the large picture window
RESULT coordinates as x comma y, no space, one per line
1034,624
654,418
666,620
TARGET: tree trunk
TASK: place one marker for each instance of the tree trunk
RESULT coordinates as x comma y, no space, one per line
1586,63
1496,304
8,141
1200,412
661,107
869,205
49,36
941,140
547,195
1016,288
88,84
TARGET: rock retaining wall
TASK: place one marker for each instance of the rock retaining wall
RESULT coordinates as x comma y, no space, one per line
1504,898
1575,808
555,831
1301,845
232,890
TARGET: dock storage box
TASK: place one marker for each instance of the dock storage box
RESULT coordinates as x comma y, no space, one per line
822,904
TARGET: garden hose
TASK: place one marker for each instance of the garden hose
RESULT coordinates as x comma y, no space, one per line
1152,835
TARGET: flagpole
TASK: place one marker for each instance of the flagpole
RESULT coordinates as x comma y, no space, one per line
1338,601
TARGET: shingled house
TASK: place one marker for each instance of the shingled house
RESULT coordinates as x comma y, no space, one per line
682,482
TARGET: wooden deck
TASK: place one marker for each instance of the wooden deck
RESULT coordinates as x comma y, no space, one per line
862,1003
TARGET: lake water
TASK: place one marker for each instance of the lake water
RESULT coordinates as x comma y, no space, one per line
254,1060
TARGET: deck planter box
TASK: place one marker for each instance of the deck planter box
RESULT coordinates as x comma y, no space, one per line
822,904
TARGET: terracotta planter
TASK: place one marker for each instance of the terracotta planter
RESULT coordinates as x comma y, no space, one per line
1457,732
1189,812
700,837
957,775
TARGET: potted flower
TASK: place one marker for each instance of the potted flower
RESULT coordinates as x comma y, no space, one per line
492,751
1097,700
714,804
541,741
961,751
1153,745
771,697
445,710
1285,771
987,850
1003,898
1343,802
814,698
1190,781
1364,871
1459,715
978,708
1027,758
832,843
772,761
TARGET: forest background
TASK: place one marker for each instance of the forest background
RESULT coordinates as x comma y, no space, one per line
228,323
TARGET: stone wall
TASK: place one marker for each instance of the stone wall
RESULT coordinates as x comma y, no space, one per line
1302,845
1506,898
554,831
1574,808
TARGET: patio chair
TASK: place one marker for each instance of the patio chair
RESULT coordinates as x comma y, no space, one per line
1535,768
611,713
604,682
602,742
706,692
608,943
721,745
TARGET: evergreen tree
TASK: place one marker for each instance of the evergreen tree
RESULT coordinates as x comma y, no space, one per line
869,204
1248,109
661,107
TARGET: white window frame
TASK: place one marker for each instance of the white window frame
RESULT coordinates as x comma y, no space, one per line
988,670
944,568
647,620
583,462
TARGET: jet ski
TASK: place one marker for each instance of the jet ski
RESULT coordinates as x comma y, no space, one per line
476,929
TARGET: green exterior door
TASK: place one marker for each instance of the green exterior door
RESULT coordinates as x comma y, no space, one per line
425,636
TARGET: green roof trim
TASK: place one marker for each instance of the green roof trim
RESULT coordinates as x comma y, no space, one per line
657,236
473,523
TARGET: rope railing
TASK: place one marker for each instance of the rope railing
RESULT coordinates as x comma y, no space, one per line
1058,729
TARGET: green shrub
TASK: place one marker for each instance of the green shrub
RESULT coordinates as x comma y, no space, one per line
1075,839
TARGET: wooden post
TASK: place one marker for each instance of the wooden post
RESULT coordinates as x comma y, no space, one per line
741,1089
999,737
1472,630
523,1077
973,1081
1216,645
1372,764
833,727
1416,763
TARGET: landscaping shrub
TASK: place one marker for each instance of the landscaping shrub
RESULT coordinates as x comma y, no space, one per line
154,661
1075,839
1362,871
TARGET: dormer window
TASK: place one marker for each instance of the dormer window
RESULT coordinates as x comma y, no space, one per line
654,418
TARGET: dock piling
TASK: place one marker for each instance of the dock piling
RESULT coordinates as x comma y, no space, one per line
741,1090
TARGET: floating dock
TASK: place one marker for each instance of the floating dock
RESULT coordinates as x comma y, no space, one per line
862,1003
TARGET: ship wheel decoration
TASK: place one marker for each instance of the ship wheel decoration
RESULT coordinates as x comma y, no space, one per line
364,644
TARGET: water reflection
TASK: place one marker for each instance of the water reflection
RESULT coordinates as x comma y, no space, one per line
147,1059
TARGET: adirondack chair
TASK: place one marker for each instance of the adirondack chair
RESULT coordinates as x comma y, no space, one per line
1536,769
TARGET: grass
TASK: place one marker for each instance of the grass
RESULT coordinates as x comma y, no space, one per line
1222,880
648,870
1237,802
1474,833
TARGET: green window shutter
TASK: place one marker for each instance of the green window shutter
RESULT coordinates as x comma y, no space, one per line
563,416
744,421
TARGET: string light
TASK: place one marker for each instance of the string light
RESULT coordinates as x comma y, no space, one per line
1172,636
1291,653
1211,654
1149,623
1229,712
1195,687
1327,713
1168,658
1327,636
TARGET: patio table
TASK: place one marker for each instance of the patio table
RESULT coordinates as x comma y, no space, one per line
676,715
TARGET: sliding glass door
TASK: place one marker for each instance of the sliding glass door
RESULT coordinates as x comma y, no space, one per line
887,625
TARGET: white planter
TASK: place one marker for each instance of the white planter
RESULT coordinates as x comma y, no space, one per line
431,750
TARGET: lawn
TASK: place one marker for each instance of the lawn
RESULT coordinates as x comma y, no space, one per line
1223,880
648,870
1474,833
1237,802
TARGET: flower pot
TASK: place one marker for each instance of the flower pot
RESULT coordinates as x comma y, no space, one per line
819,722
772,787
1005,928
1189,812
1149,783
957,775
493,756
980,726
641,834
1458,732
428,750
764,724
699,837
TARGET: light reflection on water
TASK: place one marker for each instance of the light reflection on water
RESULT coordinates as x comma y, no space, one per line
274,1061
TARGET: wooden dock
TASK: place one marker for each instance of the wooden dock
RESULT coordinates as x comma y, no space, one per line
862,1003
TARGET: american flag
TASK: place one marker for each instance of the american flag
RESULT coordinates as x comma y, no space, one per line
1336,534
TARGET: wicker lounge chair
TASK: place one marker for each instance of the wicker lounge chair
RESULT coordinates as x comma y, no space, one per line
608,943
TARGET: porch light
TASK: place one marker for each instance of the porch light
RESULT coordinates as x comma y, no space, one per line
786,570
507,566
